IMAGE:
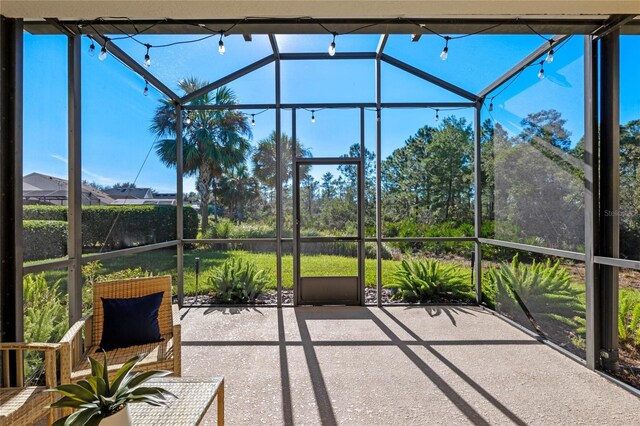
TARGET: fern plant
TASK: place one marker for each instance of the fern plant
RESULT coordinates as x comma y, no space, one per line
629,317
543,288
45,318
238,281
420,281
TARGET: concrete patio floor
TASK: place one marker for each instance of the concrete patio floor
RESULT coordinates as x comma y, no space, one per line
391,366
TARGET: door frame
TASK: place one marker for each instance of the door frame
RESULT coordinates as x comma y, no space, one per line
359,162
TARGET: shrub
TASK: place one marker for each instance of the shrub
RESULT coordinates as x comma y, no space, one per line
220,229
132,226
420,281
44,239
119,227
238,281
38,212
543,287
629,317
45,318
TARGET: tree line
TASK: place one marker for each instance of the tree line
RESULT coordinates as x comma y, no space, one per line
532,181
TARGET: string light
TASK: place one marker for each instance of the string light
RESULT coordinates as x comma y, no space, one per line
549,57
445,52
541,72
332,46
92,48
253,119
437,116
146,88
491,105
147,58
103,52
313,116
221,48
187,120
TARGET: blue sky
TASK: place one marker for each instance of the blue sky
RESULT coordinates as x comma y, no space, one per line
116,116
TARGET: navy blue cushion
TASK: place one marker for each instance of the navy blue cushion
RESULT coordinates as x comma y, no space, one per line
132,321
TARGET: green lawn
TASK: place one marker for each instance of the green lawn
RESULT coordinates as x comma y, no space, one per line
161,262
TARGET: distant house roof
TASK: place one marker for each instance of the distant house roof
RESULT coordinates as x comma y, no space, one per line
166,196
145,202
44,187
129,193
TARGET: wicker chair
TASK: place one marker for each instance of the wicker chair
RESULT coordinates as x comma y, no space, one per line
25,405
164,355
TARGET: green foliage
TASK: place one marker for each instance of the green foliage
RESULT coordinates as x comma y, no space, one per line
134,226
430,280
45,311
96,397
119,227
45,317
238,281
38,212
544,287
629,317
220,229
44,239
215,142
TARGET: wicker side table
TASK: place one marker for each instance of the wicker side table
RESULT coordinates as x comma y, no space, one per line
195,396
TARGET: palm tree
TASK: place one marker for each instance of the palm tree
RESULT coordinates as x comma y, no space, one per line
214,141
264,160
237,189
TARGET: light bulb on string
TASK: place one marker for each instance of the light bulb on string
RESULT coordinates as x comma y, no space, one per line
491,105
332,46
146,88
92,48
541,72
103,52
187,120
147,58
549,57
313,116
253,119
437,116
445,52
221,48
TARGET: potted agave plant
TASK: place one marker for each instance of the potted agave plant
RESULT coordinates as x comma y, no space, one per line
98,401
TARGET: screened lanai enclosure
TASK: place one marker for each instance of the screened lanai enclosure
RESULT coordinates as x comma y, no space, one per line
286,162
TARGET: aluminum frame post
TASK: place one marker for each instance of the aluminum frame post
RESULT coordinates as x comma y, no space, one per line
294,197
361,210
609,195
11,258
74,208
591,195
378,80
477,165
180,207
278,178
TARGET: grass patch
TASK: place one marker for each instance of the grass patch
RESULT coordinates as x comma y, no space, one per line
163,262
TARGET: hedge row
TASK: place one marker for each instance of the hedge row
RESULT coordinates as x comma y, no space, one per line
115,227
45,213
44,239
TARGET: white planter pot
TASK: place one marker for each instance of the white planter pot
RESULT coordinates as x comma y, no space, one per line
121,418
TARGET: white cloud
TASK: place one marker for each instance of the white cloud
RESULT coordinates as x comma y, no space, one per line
97,178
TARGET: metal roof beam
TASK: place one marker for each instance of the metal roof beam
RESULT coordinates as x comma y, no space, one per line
528,60
228,79
381,45
428,77
135,67
274,46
